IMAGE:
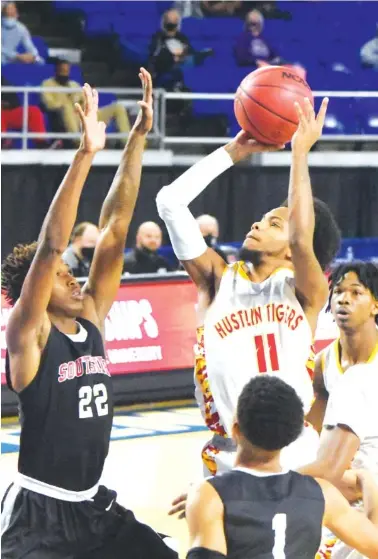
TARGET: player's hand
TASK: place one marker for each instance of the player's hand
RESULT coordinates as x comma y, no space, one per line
145,118
244,145
178,506
93,139
310,126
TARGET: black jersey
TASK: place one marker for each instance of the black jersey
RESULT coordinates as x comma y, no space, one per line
270,516
66,412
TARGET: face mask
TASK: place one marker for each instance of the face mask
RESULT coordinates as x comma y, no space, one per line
63,80
88,253
210,240
8,21
170,26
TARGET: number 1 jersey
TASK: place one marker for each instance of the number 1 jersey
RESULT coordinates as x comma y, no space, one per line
251,328
66,411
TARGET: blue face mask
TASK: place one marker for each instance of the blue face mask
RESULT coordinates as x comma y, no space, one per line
8,21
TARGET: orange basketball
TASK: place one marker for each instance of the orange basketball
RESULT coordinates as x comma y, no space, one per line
264,103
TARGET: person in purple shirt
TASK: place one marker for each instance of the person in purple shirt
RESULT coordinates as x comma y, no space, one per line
251,49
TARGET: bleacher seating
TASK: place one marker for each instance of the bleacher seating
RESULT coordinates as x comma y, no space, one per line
324,37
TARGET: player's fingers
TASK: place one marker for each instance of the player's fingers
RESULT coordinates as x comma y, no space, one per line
88,98
181,515
80,112
309,110
95,100
322,112
143,105
148,81
177,509
300,113
180,499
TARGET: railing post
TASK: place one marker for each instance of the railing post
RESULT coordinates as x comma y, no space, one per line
25,120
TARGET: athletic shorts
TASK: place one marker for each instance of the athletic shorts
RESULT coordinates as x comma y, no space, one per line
34,526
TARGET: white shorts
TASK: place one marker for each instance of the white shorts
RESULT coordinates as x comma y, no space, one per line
218,460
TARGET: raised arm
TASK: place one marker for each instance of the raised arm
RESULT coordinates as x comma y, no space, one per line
318,408
203,264
204,515
117,211
311,284
29,314
348,524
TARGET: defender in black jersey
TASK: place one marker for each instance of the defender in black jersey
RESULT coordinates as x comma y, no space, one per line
56,363
258,511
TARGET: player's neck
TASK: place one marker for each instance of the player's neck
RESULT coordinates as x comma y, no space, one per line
64,324
259,272
268,462
357,346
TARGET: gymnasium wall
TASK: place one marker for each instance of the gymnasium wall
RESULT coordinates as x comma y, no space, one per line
237,198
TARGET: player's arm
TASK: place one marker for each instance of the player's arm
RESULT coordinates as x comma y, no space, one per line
349,525
318,408
203,264
311,284
117,211
29,313
204,515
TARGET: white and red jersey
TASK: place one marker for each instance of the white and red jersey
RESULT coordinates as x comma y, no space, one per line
330,361
251,328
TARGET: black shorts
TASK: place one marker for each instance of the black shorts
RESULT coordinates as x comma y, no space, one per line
38,527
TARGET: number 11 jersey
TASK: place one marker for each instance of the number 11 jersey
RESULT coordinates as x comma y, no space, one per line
66,412
251,328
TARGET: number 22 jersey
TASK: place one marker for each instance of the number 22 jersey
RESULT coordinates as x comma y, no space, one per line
251,328
66,411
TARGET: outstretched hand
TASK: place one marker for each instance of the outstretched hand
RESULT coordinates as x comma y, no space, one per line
93,139
144,121
244,145
178,506
310,126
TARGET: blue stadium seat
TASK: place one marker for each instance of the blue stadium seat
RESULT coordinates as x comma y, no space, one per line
341,117
367,110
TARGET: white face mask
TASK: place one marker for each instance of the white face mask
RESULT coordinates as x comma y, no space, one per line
9,21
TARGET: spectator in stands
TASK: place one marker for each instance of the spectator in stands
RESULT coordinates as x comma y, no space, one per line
369,53
144,259
209,227
251,48
15,37
220,7
12,117
79,254
188,8
61,106
170,50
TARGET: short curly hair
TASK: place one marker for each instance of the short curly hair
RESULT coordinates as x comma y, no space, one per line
327,236
14,270
269,413
367,273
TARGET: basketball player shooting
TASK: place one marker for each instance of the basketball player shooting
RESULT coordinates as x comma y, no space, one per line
260,510
259,317
56,364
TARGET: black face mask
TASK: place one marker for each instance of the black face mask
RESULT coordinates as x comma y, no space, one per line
88,253
62,80
170,26
210,240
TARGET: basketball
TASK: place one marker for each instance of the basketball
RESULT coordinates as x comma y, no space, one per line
264,103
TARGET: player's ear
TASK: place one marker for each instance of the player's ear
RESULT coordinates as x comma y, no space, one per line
236,431
288,254
375,307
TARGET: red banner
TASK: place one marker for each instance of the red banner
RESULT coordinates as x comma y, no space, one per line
151,327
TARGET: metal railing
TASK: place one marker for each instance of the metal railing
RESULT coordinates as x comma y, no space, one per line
160,107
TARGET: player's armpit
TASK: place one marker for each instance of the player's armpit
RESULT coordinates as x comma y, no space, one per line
204,514
206,271
349,525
